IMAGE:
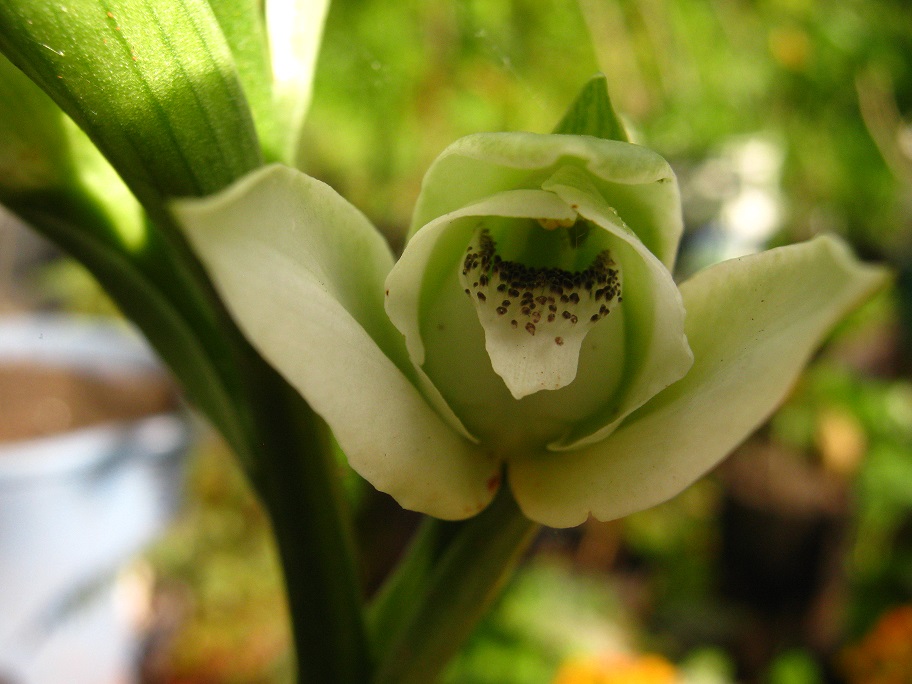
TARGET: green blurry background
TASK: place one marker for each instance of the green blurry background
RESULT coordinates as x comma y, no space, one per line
792,563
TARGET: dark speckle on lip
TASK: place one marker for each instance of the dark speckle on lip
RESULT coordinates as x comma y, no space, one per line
583,295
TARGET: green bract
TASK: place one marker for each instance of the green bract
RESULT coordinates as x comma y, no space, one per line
531,324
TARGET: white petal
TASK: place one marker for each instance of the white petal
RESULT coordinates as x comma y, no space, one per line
295,29
534,335
432,261
302,272
656,350
433,254
752,324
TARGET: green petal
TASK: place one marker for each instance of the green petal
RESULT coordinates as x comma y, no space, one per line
302,272
635,181
752,324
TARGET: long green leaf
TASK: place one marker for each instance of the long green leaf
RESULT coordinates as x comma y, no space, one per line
451,574
34,151
152,83
56,180
244,25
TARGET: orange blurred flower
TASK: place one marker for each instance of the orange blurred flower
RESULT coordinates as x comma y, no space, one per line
884,655
617,669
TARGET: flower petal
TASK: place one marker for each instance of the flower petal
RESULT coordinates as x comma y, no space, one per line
446,341
635,181
295,29
656,352
302,272
752,324
433,256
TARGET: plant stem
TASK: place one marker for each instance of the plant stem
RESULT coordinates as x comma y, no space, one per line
450,575
296,480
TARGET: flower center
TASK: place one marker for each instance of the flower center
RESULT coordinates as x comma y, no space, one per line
535,318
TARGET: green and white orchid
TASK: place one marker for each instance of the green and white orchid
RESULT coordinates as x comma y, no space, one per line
530,340
531,326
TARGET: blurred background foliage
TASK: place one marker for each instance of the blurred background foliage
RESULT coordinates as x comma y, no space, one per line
826,82
792,564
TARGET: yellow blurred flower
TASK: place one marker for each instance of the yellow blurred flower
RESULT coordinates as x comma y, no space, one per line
617,669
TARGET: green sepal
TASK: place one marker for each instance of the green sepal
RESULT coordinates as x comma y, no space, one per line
592,113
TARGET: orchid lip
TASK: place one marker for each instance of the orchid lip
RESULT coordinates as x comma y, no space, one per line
527,311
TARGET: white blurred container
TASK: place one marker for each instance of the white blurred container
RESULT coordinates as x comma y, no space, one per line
74,507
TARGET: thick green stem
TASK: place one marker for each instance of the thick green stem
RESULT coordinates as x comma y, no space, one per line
297,482
450,575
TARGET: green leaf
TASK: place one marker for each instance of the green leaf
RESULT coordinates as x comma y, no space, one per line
58,182
243,24
173,121
33,143
752,324
592,113
451,574
152,83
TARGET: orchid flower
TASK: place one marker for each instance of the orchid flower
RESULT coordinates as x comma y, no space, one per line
531,327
